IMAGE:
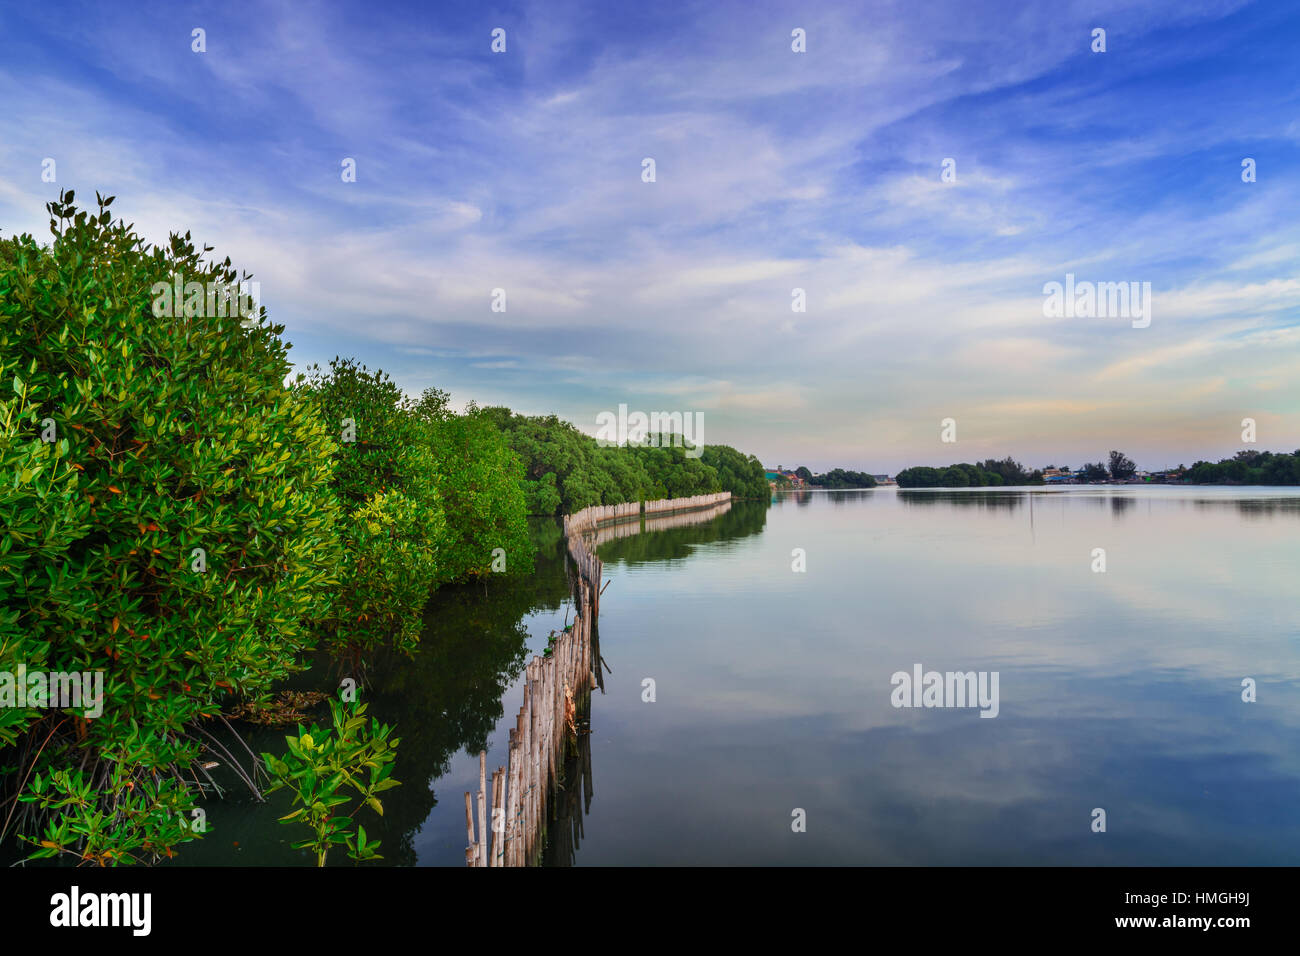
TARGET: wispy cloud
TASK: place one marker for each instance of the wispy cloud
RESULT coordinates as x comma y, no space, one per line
774,171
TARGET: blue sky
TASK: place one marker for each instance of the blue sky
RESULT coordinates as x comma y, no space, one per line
774,170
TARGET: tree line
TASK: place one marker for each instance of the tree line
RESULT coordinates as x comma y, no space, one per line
837,478
988,473
566,470
1248,468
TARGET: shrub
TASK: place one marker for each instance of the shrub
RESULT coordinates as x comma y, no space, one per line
394,532
319,769
481,487
742,475
166,509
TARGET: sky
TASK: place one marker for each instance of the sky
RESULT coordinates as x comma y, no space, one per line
774,170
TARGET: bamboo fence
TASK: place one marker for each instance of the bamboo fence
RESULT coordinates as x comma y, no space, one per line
514,832
512,828
589,519
660,522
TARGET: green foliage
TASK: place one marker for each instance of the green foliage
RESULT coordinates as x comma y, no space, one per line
147,817
170,434
390,569
565,470
840,478
325,768
741,474
673,473
1245,468
1248,468
988,473
542,495
481,488
1009,472
556,458
919,476
394,531
954,477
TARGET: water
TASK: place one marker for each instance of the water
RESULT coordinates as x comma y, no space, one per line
1118,690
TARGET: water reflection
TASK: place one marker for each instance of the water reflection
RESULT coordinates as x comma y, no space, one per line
445,701
1120,499
1254,507
572,803
982,499
728,529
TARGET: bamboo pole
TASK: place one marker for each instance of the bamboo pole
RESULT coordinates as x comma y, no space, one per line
482,809
471,854
497,823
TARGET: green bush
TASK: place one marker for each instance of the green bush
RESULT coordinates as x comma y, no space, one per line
168,435
841,478
990,472
566,470
323,770
481,488
394,532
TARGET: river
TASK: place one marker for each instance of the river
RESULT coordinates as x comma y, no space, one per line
773,736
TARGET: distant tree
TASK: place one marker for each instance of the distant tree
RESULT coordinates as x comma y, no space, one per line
954,477
1235,470
839,478
480,483
920,476
1096,471
803,472
1008,469
741,474
1120,466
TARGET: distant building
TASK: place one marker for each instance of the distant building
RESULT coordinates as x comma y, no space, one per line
884,480
773,477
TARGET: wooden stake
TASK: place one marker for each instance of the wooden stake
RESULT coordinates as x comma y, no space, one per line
482,808
471,854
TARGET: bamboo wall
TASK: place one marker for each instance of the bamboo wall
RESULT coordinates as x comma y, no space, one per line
588,519
554,688
686,504
663,521
544,728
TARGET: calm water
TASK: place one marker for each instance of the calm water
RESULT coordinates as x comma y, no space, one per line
1119,690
